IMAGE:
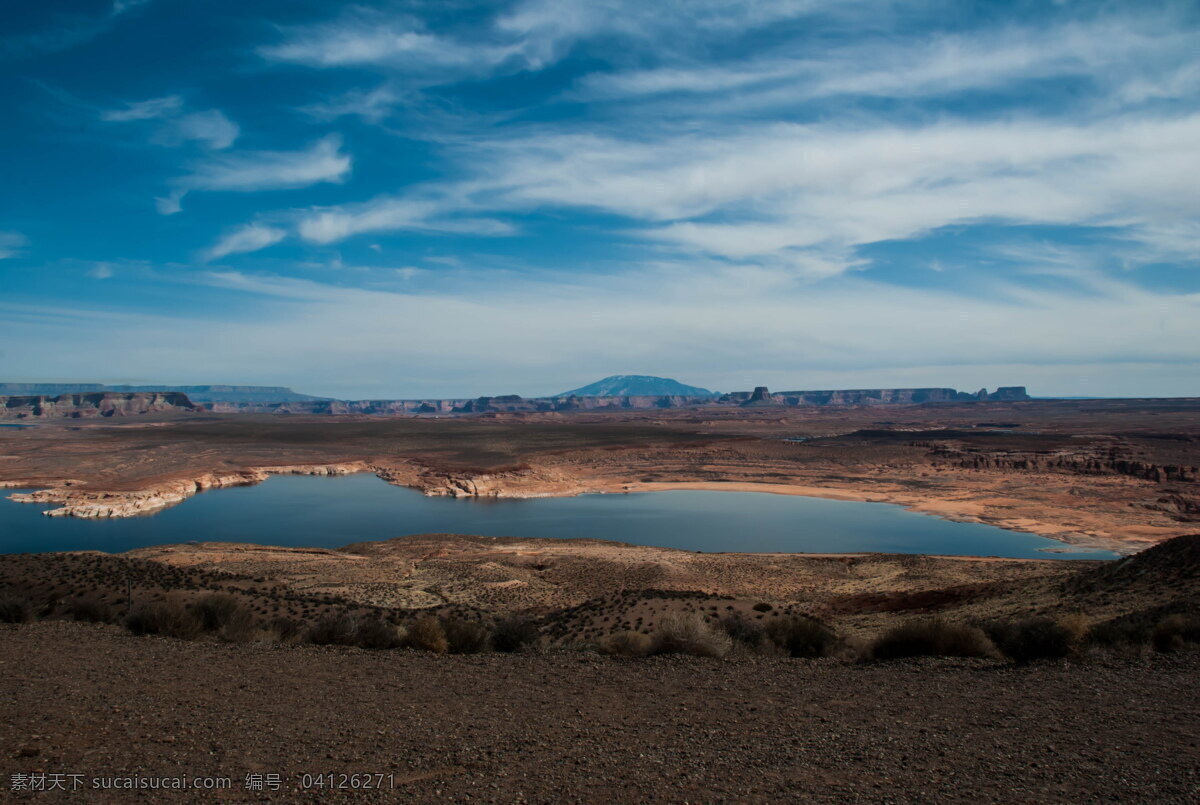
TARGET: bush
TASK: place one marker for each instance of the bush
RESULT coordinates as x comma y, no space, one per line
1119,633
466,637
375,633
1176,632
285,629
1032,639
15,610
514,634
932,638
88,610
334,630
625,644
168,619
426,633
689,634
762,606
744,631
226,616
802,637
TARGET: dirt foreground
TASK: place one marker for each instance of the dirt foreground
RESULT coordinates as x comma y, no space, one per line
567,727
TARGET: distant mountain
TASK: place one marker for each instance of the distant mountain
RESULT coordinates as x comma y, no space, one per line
637,386
198,394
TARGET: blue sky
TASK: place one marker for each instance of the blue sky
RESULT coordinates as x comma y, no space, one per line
455,198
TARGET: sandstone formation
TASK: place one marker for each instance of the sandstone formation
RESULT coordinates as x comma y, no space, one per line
512,403
201,394
100,404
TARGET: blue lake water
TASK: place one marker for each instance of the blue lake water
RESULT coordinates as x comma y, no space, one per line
332,512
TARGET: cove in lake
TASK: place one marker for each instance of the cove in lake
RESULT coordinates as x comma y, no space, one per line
333,512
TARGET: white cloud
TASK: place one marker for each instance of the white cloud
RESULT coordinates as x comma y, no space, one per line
372,106
532,35
249,171
210,128
11,243
152,109
101,271
1122,55
248,238
388,214
766,189
369,38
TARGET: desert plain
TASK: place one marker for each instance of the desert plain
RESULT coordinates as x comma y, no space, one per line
557,720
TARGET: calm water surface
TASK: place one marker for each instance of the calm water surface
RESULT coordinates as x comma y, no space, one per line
332,512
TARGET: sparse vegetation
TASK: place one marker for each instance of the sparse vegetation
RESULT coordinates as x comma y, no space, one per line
165,618
932,638
375,633
626,643
15,610
88,610
1032,639
514,634
689,634
466,637
225,616
334,630
1177,632
801,636
426,633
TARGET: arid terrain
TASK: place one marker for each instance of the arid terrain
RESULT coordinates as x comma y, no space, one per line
571,727
1118,474
561,670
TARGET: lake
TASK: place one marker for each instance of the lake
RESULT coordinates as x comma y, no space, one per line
331,512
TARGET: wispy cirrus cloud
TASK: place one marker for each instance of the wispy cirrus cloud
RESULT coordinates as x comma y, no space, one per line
211,128
812,194
11,244
247,238
372,105
66,32
150,109
250,171
1111,52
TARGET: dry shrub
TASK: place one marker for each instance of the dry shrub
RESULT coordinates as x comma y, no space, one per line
285,630
1120,634
802,637
88,610
466,637
166,618
1077,626
426,633
225,616
375,633
334,630
689,634
1176,632
932,638
744,631
15,610
514,634
1032,639
625,644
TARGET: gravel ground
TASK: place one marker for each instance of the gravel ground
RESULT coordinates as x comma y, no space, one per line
567,727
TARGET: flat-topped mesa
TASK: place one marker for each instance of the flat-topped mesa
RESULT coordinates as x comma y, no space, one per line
761,396
99,404
512,403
